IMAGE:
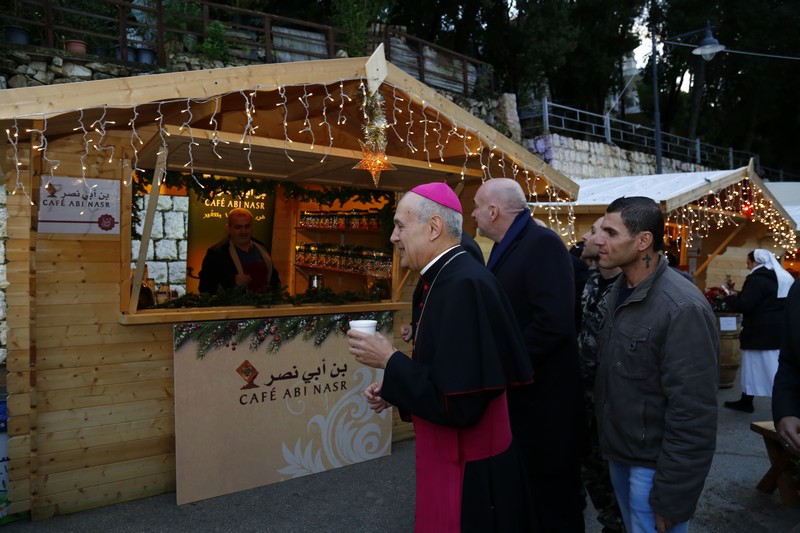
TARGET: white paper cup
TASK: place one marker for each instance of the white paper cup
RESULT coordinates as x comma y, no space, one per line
365,326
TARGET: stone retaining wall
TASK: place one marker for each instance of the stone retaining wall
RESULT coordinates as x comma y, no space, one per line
579,159
34,66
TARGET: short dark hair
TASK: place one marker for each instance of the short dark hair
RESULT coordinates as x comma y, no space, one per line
639,214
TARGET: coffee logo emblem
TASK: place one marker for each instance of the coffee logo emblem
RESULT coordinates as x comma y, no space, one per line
248,373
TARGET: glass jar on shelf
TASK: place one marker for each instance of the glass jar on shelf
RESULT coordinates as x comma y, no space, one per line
355,219
341,220
335,258
367,260
312,255
374,220
300,254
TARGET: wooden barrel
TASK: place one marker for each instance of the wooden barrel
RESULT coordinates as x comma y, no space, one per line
730,356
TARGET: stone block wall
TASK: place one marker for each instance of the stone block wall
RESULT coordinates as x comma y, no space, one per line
44,66
580,159
500,113
166,253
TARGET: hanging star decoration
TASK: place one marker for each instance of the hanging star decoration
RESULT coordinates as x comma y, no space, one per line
374,145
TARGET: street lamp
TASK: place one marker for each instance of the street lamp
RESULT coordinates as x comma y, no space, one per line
709,46
707,49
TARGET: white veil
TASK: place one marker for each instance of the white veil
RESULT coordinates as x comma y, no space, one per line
785,280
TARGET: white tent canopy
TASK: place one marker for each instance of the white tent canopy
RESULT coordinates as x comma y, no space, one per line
788,194
672,190
695,201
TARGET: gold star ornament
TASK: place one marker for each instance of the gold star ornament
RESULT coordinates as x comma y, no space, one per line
375,161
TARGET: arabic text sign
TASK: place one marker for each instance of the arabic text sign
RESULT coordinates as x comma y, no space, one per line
77,205
246,418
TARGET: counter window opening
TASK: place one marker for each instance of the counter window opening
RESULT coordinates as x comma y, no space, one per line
328,252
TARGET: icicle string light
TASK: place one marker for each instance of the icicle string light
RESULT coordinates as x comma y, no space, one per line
249,129
99,126
286,140
162,133
343,98
325,122
134,140
727,206
424,121
306,121
85,139
13,138
52,163
438,131
429,132
215,140
395,111
187,125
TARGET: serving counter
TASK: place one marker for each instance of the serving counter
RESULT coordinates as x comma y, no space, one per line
262,400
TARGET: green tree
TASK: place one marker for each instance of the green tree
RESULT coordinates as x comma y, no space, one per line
355,17
603,33
739,100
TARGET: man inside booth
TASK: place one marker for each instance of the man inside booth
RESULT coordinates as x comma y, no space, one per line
238,260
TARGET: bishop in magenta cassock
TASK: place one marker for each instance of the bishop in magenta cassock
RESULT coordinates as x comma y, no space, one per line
467,352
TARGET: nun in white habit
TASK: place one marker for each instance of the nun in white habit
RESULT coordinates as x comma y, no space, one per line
761,302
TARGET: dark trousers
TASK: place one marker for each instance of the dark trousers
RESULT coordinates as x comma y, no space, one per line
556,489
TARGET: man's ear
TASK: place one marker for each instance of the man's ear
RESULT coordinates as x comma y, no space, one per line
494,212
435,227
644,240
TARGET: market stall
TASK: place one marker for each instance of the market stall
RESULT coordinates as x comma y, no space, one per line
101,390
788,194
706,213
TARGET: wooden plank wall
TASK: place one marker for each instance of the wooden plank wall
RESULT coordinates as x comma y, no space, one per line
91,413
90,401
21,353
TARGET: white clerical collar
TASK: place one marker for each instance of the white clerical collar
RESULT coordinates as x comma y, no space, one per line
435,259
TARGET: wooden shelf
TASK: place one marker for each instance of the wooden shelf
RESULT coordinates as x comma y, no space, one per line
372,273
339,230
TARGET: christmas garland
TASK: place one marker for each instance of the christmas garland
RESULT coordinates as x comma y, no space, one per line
273,332
241,296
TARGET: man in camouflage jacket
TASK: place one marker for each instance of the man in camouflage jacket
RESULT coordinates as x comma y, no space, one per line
593,309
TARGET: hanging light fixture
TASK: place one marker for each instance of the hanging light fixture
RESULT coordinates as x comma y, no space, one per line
709,46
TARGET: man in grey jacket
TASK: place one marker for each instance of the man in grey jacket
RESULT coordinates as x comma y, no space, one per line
656,385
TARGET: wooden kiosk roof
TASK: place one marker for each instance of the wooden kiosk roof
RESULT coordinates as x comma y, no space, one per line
697,200
788,195
287,121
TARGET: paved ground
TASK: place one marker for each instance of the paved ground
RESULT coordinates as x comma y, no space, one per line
379,496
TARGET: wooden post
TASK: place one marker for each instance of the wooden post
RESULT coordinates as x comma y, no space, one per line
399,288
721,247
268,39
161,52
155,188
465,76
123,32
48,24
125,177
331,44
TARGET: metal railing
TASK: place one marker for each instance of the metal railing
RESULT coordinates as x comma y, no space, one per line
431,64
121,28
159,24
547,117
